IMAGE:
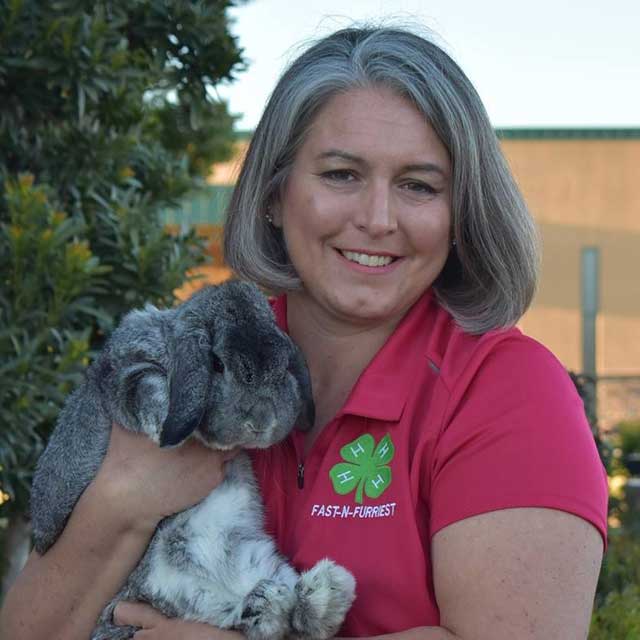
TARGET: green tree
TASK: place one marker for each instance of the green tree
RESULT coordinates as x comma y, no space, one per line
108,115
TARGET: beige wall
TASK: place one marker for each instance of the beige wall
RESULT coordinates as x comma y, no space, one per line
584,193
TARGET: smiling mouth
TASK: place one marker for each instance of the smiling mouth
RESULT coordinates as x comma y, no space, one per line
368,260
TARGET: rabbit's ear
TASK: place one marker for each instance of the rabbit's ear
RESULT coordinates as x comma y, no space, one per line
298,369
188,392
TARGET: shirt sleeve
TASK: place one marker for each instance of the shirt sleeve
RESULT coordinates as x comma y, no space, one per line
516,435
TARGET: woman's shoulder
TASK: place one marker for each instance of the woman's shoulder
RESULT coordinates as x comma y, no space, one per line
495,356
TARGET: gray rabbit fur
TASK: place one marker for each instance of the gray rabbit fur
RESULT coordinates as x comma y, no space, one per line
216,368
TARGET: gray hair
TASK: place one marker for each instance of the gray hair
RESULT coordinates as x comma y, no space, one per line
490,275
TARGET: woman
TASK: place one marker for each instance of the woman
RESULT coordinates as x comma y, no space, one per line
450,466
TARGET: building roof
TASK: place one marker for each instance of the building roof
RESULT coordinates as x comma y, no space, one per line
541,133
568,133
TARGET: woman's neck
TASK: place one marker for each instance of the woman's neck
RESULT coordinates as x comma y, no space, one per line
337,352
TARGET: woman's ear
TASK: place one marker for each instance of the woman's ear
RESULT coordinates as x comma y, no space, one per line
274,212
276,215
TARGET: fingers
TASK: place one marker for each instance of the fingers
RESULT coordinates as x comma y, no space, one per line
137,614
155,626
148,483
190,448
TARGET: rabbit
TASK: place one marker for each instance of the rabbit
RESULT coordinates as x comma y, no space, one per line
216,368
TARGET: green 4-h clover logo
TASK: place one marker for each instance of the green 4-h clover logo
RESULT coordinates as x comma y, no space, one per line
365,467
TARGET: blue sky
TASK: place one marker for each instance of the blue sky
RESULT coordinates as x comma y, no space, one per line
545,63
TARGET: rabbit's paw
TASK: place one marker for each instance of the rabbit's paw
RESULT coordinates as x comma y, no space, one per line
323,597
266,610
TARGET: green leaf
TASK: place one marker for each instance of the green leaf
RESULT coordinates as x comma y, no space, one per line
81,102
377,482
360,450
345,477
384,451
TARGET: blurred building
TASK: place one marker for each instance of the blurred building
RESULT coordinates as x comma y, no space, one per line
583,188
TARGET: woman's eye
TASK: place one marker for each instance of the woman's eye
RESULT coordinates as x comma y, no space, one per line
218,365
419,187
339,175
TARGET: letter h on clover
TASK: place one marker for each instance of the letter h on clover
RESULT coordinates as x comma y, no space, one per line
365,468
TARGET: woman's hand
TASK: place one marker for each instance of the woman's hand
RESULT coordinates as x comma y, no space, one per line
155,626
143,483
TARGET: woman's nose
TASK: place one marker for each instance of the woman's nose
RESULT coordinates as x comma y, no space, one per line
376,215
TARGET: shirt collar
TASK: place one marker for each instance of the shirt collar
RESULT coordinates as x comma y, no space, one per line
382,389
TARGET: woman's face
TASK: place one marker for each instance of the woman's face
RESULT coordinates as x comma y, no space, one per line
366,209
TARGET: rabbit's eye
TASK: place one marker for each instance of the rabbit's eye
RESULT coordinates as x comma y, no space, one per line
218,365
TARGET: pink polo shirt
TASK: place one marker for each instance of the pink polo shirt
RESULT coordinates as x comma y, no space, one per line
440,426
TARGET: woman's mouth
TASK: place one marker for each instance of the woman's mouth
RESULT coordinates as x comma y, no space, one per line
367,259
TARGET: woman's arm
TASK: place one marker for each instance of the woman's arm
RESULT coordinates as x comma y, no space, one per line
61,594
524,573
158,627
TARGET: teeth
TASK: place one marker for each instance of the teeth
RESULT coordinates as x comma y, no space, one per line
366,260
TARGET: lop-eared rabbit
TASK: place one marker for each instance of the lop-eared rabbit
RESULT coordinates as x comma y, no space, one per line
216,368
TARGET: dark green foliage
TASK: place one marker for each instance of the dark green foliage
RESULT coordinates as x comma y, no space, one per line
621,565
619,617
628,433
107,115
50,278
616,614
